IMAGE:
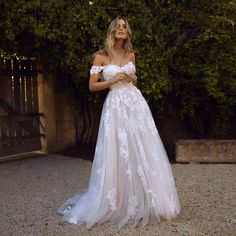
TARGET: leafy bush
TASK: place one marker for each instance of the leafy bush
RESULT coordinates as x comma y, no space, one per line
185,50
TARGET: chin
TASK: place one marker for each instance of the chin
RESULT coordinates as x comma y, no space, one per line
121,37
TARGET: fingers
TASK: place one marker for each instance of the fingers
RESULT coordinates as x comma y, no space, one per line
125,76
132,77
122,76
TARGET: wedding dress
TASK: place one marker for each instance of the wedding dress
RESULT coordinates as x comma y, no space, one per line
131,180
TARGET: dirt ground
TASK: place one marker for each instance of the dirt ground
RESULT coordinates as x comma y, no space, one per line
31,190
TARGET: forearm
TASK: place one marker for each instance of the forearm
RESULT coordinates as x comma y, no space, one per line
97,86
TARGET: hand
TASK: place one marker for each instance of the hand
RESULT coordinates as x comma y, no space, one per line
131,77
120,76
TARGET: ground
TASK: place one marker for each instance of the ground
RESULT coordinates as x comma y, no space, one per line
31,190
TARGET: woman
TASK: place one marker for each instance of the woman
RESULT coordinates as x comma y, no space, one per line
131,179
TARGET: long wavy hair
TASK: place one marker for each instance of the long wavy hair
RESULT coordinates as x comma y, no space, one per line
110,39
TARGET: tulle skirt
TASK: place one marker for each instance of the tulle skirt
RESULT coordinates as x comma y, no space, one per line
131,179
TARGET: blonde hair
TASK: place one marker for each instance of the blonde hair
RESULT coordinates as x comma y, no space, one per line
110,39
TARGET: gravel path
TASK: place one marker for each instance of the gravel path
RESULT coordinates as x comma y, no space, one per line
31,190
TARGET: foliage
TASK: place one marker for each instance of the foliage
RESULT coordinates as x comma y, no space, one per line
203,70
185,49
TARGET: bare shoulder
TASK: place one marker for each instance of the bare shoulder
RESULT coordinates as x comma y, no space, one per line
132,57
99,58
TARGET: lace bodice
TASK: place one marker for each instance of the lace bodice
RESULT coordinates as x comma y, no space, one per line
111,70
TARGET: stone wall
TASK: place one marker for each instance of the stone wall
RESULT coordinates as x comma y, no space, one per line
206,151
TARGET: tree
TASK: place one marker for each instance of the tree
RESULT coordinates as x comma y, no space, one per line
185,50
204,65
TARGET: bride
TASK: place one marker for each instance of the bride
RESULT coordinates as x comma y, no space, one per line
131,180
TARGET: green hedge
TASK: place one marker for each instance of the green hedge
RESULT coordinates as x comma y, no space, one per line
185,50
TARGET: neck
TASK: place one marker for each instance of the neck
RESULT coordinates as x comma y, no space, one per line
118,46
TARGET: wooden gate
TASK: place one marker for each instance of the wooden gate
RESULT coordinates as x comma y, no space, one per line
19,116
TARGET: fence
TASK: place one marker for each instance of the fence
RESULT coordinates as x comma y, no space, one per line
19,116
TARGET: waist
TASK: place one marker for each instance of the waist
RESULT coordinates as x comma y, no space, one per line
121,84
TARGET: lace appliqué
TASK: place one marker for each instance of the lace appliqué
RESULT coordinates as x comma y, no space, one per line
111,196
153,198
142,153
96,69
124,149
69,207
107,117
132,208
142,176
123,144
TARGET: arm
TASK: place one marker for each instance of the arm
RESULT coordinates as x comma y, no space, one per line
94,85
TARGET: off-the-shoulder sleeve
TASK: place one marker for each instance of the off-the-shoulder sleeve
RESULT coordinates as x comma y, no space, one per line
96,69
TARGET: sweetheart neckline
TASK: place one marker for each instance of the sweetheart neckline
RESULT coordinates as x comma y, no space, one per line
118,65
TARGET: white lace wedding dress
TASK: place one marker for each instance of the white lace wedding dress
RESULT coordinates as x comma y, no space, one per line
131,179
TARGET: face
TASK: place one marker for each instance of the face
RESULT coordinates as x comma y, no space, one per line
120,30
